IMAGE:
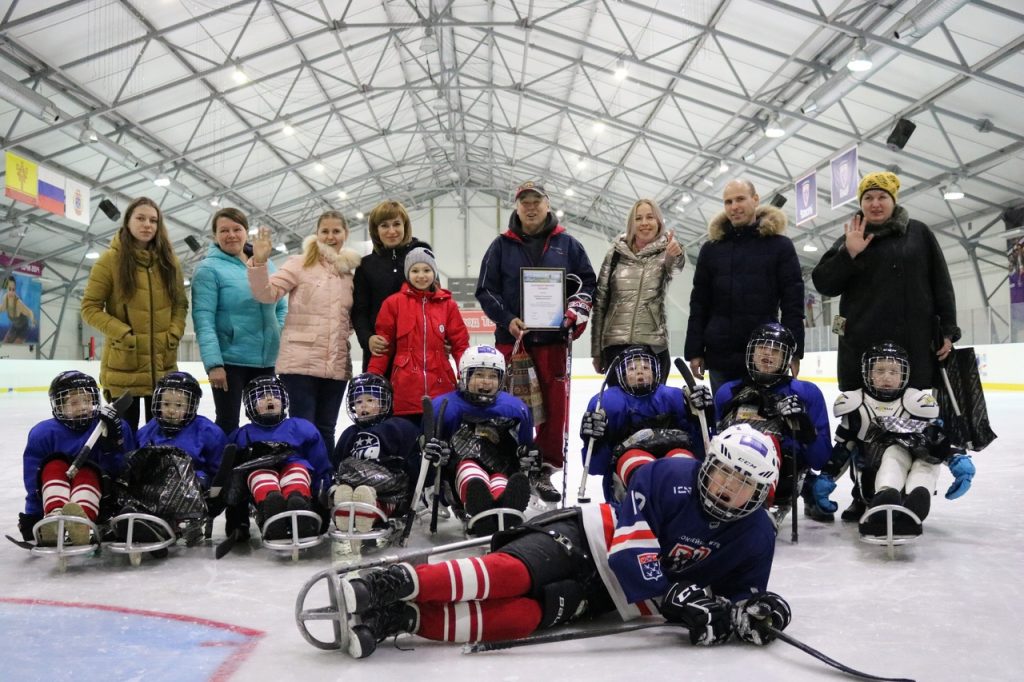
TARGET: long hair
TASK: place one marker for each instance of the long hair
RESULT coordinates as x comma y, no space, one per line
630,219
312,250
388,210
166,262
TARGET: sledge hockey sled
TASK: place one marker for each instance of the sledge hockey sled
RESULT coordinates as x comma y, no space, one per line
295,542
66,526
890,539
135,549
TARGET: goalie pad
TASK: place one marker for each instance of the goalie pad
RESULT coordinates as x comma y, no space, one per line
491,442
161,480
392,487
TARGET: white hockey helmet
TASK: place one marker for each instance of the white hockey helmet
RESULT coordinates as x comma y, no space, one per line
480,357
740,469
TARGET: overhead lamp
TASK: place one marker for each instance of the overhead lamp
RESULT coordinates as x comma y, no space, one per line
952,192
92,255
810,248
750,156
429,42
598,127
708,181
162,181
810,106
859,60
88,135
559,213
772,128
319,167
239,76
281,248
581,164
24,97
621,72
187,281
215,201
680,207
359,215
686,198
342,194
287,128
454,176
723,166
440,105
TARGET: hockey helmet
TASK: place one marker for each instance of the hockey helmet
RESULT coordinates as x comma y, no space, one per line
769,352
265,400
631,370
372,385
77,415
740,469
885,369
480,357
176,401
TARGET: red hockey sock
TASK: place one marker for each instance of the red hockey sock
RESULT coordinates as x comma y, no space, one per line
475,621
498,484
85,491
492,576
630,461
295,477
467,470
56,489
261,483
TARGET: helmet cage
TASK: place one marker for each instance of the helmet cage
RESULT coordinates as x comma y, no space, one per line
887,351
738,473
375,386
258,390
629,360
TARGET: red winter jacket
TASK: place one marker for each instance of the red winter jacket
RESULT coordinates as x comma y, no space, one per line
417,324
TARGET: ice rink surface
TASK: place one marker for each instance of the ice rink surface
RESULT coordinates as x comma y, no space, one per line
948,607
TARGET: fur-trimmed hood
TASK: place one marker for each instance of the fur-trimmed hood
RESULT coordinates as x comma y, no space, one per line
770,221
345,261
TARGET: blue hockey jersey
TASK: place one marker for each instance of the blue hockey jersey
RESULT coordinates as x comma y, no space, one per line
626,414
310,450
393,442
203,440
663,536
50,437
505,405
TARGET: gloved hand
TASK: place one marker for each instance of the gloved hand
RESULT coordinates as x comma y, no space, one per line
706,617
751,618
793,410
701,398
437,451
529,458
963,470
25,524
114,436
594,424
791,406
821,489
577,313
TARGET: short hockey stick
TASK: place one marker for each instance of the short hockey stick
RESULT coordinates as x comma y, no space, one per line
581,494
428,424
438,426
701,415
121,405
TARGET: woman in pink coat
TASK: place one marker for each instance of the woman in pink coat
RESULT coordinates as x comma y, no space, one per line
417,322
313,362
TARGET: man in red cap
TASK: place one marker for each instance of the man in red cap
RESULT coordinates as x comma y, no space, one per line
535,239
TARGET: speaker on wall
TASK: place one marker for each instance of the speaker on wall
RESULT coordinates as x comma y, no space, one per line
778,201
900,135
107,206
193,243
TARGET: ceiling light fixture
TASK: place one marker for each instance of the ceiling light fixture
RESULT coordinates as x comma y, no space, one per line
621,72
239,76
287,128
24,97
686,198
342,194
319,167
772,128
598,127
810,248
215,201
859,60
952,192
88,135
92,255
359,215
559,213
723,166
569,192
429,42
162,181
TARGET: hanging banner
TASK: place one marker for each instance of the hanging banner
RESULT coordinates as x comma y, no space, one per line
844,177
21,179
51,191
807,198
19,312
76,201
33,269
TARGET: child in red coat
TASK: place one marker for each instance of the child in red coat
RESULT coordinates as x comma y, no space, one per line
418,322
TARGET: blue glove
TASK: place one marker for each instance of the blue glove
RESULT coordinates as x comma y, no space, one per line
822,488
963,470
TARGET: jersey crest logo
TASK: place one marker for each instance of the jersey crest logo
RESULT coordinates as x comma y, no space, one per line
682,556
367,446
650,565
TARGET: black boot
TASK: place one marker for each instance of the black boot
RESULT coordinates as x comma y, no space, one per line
478,500
272,505
308,526
542,484
380,588
875,526
517,492
378,625
919,501
856,508
811,508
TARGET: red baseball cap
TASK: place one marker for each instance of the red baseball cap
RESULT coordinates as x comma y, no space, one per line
530,187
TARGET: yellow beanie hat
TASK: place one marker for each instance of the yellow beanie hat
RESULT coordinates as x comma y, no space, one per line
883,180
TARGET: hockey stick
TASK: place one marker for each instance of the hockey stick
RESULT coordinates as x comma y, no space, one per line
793,641
20,543
701,415
227,544
479,647
581,494
578,281
227,465
120,405
438,424
428,423
961,427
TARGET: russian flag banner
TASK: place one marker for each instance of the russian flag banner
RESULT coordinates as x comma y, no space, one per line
51,191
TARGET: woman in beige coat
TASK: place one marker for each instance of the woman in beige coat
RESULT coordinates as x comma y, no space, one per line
313,362
136,297
629,306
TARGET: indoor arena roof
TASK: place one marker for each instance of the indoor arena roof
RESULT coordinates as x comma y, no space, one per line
287,108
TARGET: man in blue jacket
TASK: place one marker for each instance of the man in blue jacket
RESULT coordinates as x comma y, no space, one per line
535,239
747,272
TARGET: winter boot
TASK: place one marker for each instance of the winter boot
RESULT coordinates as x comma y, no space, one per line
379,624
380,588
367,495
919,501
542,484
517,492
78,533
48,532
272,505
478,500
856,508
308,526
875,526
811,508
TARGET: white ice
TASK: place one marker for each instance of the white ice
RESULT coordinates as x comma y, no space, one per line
948,607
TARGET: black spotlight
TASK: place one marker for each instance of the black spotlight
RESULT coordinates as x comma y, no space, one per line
193,243
107,206
778,201
900,135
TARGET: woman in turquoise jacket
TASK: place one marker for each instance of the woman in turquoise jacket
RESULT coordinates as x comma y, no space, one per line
238,336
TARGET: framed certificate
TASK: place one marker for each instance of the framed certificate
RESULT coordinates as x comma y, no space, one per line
542,292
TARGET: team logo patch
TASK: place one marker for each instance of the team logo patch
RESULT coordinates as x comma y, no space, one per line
367,446
650,565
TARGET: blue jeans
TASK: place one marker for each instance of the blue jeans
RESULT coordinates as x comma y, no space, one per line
227,403
317,400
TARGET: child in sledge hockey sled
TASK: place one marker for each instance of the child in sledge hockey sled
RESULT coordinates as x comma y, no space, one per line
690,540
791,411
283,463
51,446
488,434
637,403
377,457
169,475
897,432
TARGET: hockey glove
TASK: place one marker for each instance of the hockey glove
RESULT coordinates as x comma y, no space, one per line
529,458
701,398
594,424
821,489
752,618
25,524
963,470
794,412
437,451
705,616
114,436
577,314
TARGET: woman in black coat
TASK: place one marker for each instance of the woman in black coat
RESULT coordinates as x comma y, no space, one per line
381,273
